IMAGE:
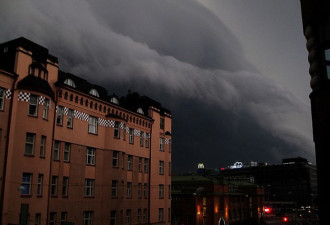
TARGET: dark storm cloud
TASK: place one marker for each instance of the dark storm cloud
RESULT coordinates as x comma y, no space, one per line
177,52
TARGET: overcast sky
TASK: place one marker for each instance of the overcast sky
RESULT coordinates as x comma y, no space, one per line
234,73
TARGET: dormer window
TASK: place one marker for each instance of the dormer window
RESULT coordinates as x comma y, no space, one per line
38,70
94,93
70,82
114,100
140,110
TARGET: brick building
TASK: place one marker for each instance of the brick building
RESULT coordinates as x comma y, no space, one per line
70,153
204,200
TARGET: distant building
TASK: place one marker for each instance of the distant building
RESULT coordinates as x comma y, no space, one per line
201,200
70,153
290,184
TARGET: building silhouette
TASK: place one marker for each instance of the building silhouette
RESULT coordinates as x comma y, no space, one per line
70,153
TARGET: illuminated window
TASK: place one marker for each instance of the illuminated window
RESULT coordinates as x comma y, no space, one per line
94,92
70,83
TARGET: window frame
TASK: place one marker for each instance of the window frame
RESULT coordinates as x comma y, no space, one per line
92,125
59,115
30,143
33,106
114,188
90,156
88,218
43,141
161,167
45,109
89,188
65,187
56,150
66,152
54,186
116,131
40,184
27,184
69,122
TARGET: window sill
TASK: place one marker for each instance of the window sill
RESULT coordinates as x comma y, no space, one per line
28,155
26,196
33,116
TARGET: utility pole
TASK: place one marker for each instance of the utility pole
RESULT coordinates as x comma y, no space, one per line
316,25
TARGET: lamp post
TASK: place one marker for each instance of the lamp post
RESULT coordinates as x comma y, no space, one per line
316,25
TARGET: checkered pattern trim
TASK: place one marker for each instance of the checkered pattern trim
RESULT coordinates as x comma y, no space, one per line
24,96
137,132
81,115
41,100
8,93
106,123
122,126
167,141
66,111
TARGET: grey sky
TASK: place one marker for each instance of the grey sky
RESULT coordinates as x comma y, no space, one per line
234,73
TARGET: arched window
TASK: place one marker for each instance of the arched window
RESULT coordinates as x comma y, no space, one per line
94,93
114,100
140,110
69,82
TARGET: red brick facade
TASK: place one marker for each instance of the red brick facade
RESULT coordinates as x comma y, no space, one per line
71,153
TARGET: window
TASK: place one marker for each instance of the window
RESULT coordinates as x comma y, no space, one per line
116,130
69,122
113,217
146,165
70,82
327,61
52,218
162,122
169,215
128,217
140,164
145,190
115,159
129,190
45,109
90,156
161,144
67,148
64,216
139,190
170,145
169,168
40,184
144,218
138,219
53,187
114,100
29,144
59,118
141,139
129,162
114,188
147,140
169,191
92,125
161,191
42,146
37,219
2,98
161,167
65,186
33,105
89,187
160,214
131,136
56,152
26,183
88,218
94,93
